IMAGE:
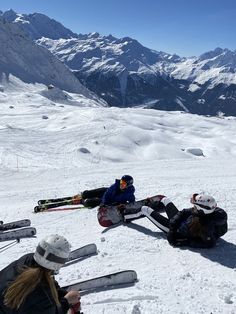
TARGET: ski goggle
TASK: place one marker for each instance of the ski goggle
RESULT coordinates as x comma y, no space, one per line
50,256
123,184
199,205
193,198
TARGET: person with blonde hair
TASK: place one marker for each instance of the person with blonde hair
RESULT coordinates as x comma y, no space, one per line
27,285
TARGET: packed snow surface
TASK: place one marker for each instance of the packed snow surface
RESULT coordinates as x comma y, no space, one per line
53,146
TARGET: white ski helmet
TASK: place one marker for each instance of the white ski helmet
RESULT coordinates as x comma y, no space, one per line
52,252
203,202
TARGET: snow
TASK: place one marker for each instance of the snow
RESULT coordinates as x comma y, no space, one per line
84,145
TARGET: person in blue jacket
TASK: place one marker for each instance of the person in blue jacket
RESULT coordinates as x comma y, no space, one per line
121,192
114,200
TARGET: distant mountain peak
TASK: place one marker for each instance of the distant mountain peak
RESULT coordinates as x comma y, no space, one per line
213,53
111,37
38,25
10,15
93,35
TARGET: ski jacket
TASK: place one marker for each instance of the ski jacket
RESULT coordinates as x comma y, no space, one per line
212,227
114,195
40,301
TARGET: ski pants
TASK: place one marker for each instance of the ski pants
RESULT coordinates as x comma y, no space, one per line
93,198
155,217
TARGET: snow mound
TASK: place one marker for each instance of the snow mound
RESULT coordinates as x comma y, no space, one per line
55,94
194,151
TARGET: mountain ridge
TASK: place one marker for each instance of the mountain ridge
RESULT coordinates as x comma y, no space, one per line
125,74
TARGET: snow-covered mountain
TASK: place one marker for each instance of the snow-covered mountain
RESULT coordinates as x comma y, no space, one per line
51,150
38,25
22,58
122,71
125,73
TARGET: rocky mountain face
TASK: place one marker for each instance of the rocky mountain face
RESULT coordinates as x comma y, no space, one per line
125,73
23,58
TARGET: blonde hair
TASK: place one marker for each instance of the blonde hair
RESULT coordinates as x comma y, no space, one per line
25,283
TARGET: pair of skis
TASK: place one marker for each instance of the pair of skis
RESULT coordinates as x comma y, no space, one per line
54,204
16,230
113,280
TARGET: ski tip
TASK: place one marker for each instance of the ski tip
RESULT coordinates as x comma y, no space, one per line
38,209
131,274
34,231
31,231
135,276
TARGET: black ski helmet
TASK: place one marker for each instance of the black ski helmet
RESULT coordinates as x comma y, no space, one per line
128,179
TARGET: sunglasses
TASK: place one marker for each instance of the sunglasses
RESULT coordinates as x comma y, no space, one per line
123,184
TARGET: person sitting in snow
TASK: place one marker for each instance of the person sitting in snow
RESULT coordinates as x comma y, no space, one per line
117,195
27,285
121,192
199,226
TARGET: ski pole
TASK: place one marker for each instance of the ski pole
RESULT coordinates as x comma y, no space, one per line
7,246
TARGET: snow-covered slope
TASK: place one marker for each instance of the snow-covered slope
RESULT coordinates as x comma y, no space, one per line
50,149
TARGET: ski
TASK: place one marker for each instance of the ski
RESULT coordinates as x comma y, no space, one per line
60,199
41,208
15,224
114,279
17,234
88,249
82,252
55,209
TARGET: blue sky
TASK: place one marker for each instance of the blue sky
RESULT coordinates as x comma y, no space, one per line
184,27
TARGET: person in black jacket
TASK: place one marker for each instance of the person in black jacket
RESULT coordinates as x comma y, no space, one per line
199,226
27,285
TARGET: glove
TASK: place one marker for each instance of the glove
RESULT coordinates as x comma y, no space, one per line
75,308
171,237
121,206
121,209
